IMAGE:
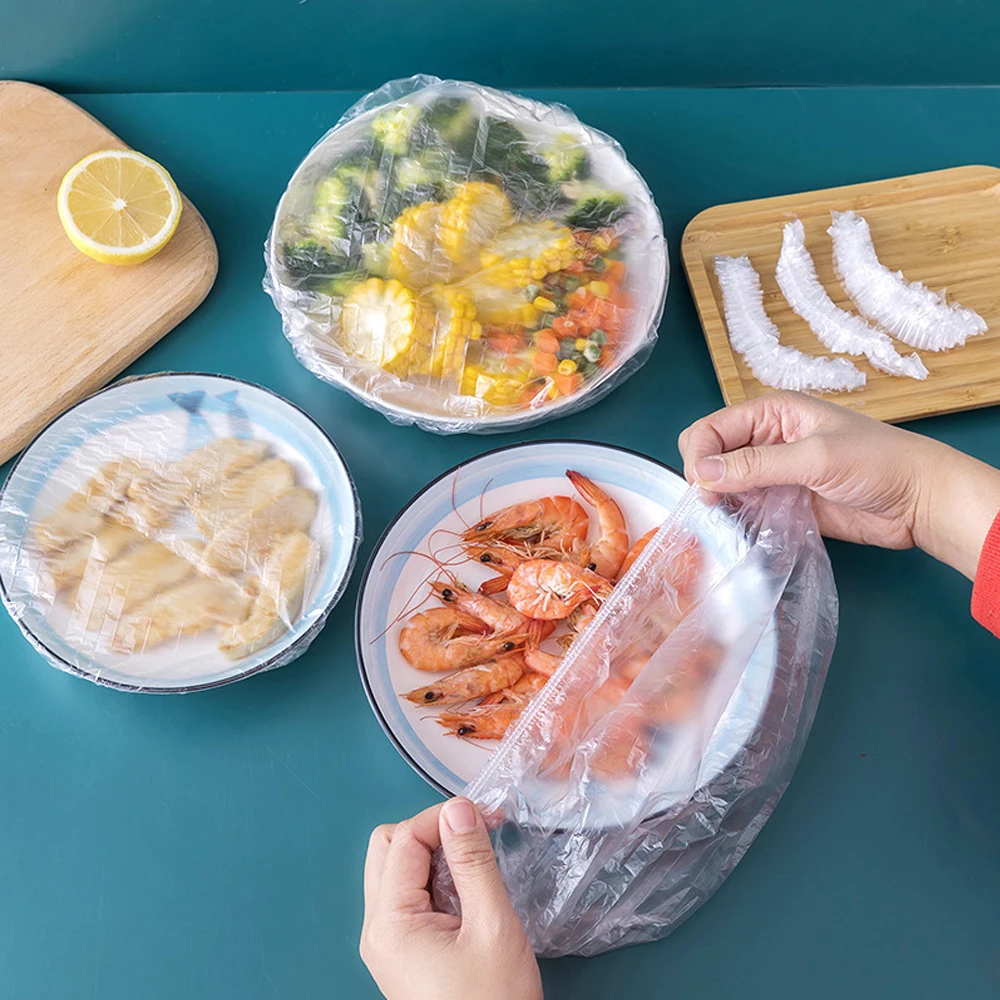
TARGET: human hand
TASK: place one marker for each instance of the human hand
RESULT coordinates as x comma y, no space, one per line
416,953
872,483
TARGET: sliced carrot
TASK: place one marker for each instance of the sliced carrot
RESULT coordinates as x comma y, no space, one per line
564,326
568,384
614,273
544,362
505,341
547,341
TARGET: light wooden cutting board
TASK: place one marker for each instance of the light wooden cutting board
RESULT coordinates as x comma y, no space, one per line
68,324
941,228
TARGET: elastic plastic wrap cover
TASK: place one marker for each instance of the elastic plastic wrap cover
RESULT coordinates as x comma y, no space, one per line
466,259
618,809
174,532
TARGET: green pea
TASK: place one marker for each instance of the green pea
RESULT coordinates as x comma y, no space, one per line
598,337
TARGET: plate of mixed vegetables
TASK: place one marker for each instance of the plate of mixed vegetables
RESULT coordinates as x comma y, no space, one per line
466,259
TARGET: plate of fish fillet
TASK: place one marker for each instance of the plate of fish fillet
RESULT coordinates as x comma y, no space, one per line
486,578
176,532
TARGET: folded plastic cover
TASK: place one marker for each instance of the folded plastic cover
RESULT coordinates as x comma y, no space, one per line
466,259
637,779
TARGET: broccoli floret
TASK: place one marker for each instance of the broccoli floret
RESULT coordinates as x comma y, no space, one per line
597,208
507,152
331,209
342,284
566,158
411,172
332,192
394,128
362,179
307,258
455,122
376,258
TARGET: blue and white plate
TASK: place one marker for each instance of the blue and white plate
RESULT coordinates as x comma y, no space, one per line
161,418
645,490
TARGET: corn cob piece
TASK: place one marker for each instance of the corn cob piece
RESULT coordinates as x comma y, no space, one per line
384,322
471,219
526,252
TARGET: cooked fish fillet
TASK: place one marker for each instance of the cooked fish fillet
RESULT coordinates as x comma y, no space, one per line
112,589
83,512
156,497
193,606
245,542
244,492
279,603
67,567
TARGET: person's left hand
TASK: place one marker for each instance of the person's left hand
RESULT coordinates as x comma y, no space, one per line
415,952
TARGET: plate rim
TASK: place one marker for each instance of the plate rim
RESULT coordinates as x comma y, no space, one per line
362,585
271,661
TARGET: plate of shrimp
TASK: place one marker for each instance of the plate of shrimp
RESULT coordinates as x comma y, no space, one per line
483,581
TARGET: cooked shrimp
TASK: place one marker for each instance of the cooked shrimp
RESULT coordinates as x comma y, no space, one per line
556,523
504,557
498,616
634,552
447,639
540,662
470,683
529,683
495,714
605,557
550,590
485,722
686,565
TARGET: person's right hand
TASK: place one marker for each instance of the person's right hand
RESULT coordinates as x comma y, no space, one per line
415,952
873,483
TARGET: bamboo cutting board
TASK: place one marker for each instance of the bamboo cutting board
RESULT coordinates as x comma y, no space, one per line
68,324
941,228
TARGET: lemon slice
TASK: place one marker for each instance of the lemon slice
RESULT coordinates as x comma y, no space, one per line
119,206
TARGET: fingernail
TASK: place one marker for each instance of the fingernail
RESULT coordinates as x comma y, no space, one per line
709,470
460,816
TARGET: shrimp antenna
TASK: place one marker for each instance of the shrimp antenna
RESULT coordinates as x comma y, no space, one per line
409,607
454,504
482,497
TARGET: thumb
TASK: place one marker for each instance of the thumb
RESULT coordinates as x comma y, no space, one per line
469,853
765,465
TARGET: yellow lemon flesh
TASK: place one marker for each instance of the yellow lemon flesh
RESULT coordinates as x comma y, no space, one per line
119,206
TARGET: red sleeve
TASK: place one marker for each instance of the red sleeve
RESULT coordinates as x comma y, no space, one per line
986,589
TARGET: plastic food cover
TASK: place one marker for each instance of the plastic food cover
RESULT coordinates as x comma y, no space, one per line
467,259
607,832
175,532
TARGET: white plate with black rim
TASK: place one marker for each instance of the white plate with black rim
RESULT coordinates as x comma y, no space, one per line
161,418
646,491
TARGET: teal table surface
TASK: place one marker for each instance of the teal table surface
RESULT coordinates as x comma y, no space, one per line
210,846
255,45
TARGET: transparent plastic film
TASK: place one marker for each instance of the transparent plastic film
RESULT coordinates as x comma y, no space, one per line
466,259
636,779
167,535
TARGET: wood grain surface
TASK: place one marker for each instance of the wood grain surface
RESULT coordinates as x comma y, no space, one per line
68,324
941,228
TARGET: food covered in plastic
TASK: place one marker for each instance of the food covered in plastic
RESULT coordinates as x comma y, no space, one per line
466,259
548,585
176,531
627,790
